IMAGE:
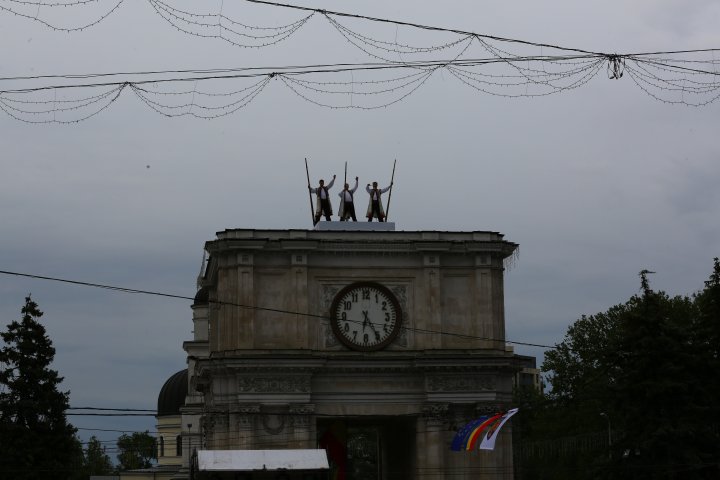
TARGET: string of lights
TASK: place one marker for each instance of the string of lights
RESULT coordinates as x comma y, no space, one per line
219,20
406,89
187,22
484,86
686,86
688,81
206,111
35,17
216,103
221,17
254,307
371,86
673,77
80,107
365,43
41,3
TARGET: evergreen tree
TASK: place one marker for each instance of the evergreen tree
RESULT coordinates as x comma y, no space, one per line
656,393
36,441
136,451
706,338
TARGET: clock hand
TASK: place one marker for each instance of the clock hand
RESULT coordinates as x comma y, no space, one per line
372,325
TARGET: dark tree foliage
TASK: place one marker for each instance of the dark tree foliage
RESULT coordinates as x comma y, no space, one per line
136,451
634,393
36,441
97,462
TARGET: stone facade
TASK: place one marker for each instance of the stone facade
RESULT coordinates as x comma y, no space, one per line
266,370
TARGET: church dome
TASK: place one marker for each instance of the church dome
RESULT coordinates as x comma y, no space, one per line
172,394
202,296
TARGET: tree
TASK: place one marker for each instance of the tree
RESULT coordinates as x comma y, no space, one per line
136,451
645,376
706,338
97,462
36,441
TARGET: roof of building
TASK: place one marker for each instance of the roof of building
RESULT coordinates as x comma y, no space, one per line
202,296
172,394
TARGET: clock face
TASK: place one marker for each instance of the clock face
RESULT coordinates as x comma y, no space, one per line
365,316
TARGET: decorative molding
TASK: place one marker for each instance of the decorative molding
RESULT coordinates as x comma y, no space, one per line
273,423
460,384
330,340
274,384
352,247
302,414
246,415
247,409
400,292
207,422
489,408
436,414
328,294
220,420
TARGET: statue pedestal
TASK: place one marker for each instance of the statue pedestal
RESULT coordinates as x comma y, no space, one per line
357,226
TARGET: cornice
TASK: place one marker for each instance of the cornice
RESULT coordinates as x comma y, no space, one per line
343,241
274,363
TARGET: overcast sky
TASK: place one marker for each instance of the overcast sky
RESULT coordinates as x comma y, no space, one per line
594,184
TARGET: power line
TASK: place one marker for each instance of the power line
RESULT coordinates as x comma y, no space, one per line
23,105
235,73
673,81
114,409
181,14
658,87
421,26
253,307
111,414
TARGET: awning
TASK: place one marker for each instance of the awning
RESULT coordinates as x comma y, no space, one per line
250,460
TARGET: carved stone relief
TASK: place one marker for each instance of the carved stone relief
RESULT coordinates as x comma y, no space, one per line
489,408
436,414
302,414
246,415
273,423
459,383
274,384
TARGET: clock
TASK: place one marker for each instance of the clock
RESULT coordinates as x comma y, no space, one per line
365,316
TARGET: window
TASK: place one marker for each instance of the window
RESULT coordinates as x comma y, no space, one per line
178,446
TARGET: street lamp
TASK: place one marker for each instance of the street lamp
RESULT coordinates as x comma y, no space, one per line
607,417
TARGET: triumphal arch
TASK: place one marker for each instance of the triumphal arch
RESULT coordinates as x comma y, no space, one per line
373,344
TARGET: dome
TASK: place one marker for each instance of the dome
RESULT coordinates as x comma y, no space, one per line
172,394
202,296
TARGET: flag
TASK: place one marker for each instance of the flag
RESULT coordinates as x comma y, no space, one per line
460,440
488,442
477,433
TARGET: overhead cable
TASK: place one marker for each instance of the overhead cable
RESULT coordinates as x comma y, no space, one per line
253,307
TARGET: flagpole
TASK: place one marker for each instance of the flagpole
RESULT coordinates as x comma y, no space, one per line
312,209
392,179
